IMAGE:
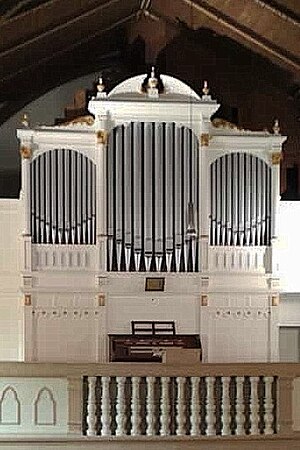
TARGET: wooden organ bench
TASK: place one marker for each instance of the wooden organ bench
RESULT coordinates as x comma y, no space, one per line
148,340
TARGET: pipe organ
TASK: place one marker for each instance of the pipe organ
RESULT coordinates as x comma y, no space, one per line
240,192
149,185
152,198
63,198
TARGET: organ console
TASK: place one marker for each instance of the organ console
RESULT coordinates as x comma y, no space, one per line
148,341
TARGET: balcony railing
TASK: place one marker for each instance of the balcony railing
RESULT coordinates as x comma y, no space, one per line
149,401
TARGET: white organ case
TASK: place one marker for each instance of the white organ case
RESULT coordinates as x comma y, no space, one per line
149,186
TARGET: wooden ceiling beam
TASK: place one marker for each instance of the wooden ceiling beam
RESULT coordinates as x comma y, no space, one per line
200,13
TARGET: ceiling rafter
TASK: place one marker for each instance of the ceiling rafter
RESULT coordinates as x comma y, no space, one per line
245,33
222,23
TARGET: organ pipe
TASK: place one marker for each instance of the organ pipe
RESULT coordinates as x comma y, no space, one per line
240,200
159,176
63,198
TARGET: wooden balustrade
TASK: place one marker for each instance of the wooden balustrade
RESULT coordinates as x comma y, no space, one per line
183,406
151,400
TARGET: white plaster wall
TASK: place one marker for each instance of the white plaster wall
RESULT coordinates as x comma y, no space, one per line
10,300
289,246
289,344
289,309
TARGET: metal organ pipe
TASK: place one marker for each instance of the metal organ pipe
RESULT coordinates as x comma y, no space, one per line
48,197
61,203
240,200
158,194
228,199
253,200
73,197
247,199
160,183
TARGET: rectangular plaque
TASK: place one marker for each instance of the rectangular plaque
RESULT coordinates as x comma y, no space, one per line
155,284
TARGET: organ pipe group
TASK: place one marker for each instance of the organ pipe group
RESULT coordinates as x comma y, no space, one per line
63,198
153,203
152,180
240,200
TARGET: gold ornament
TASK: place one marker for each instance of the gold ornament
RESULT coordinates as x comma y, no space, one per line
27,300
276,158
25,151
102,137
204,139
101,300
204,300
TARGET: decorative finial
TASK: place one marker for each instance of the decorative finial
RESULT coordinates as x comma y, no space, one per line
152,89
25,120
101,88
205,88
276,127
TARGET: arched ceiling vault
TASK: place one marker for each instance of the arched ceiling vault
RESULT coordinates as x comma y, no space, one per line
46,43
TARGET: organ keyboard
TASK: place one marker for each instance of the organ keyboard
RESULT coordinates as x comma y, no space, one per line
148,347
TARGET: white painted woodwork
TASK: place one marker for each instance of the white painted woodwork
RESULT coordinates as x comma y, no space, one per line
91,407
237,259
47,257
181,407
240,407
135,407
165,407
150,407
226,418
121,418
105,407
254,405
210,406
268,415
195,406
35,405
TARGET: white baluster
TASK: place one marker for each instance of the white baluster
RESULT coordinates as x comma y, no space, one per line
210,407
268,416
240,417
254,406
135,407
91,407
121,407
226,431
150,415
195,407
165,407
105,407
180,406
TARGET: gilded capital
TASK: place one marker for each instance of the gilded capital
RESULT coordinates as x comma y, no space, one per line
204,300
25,151
27,300
204,139
276,158
101,299
102,137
